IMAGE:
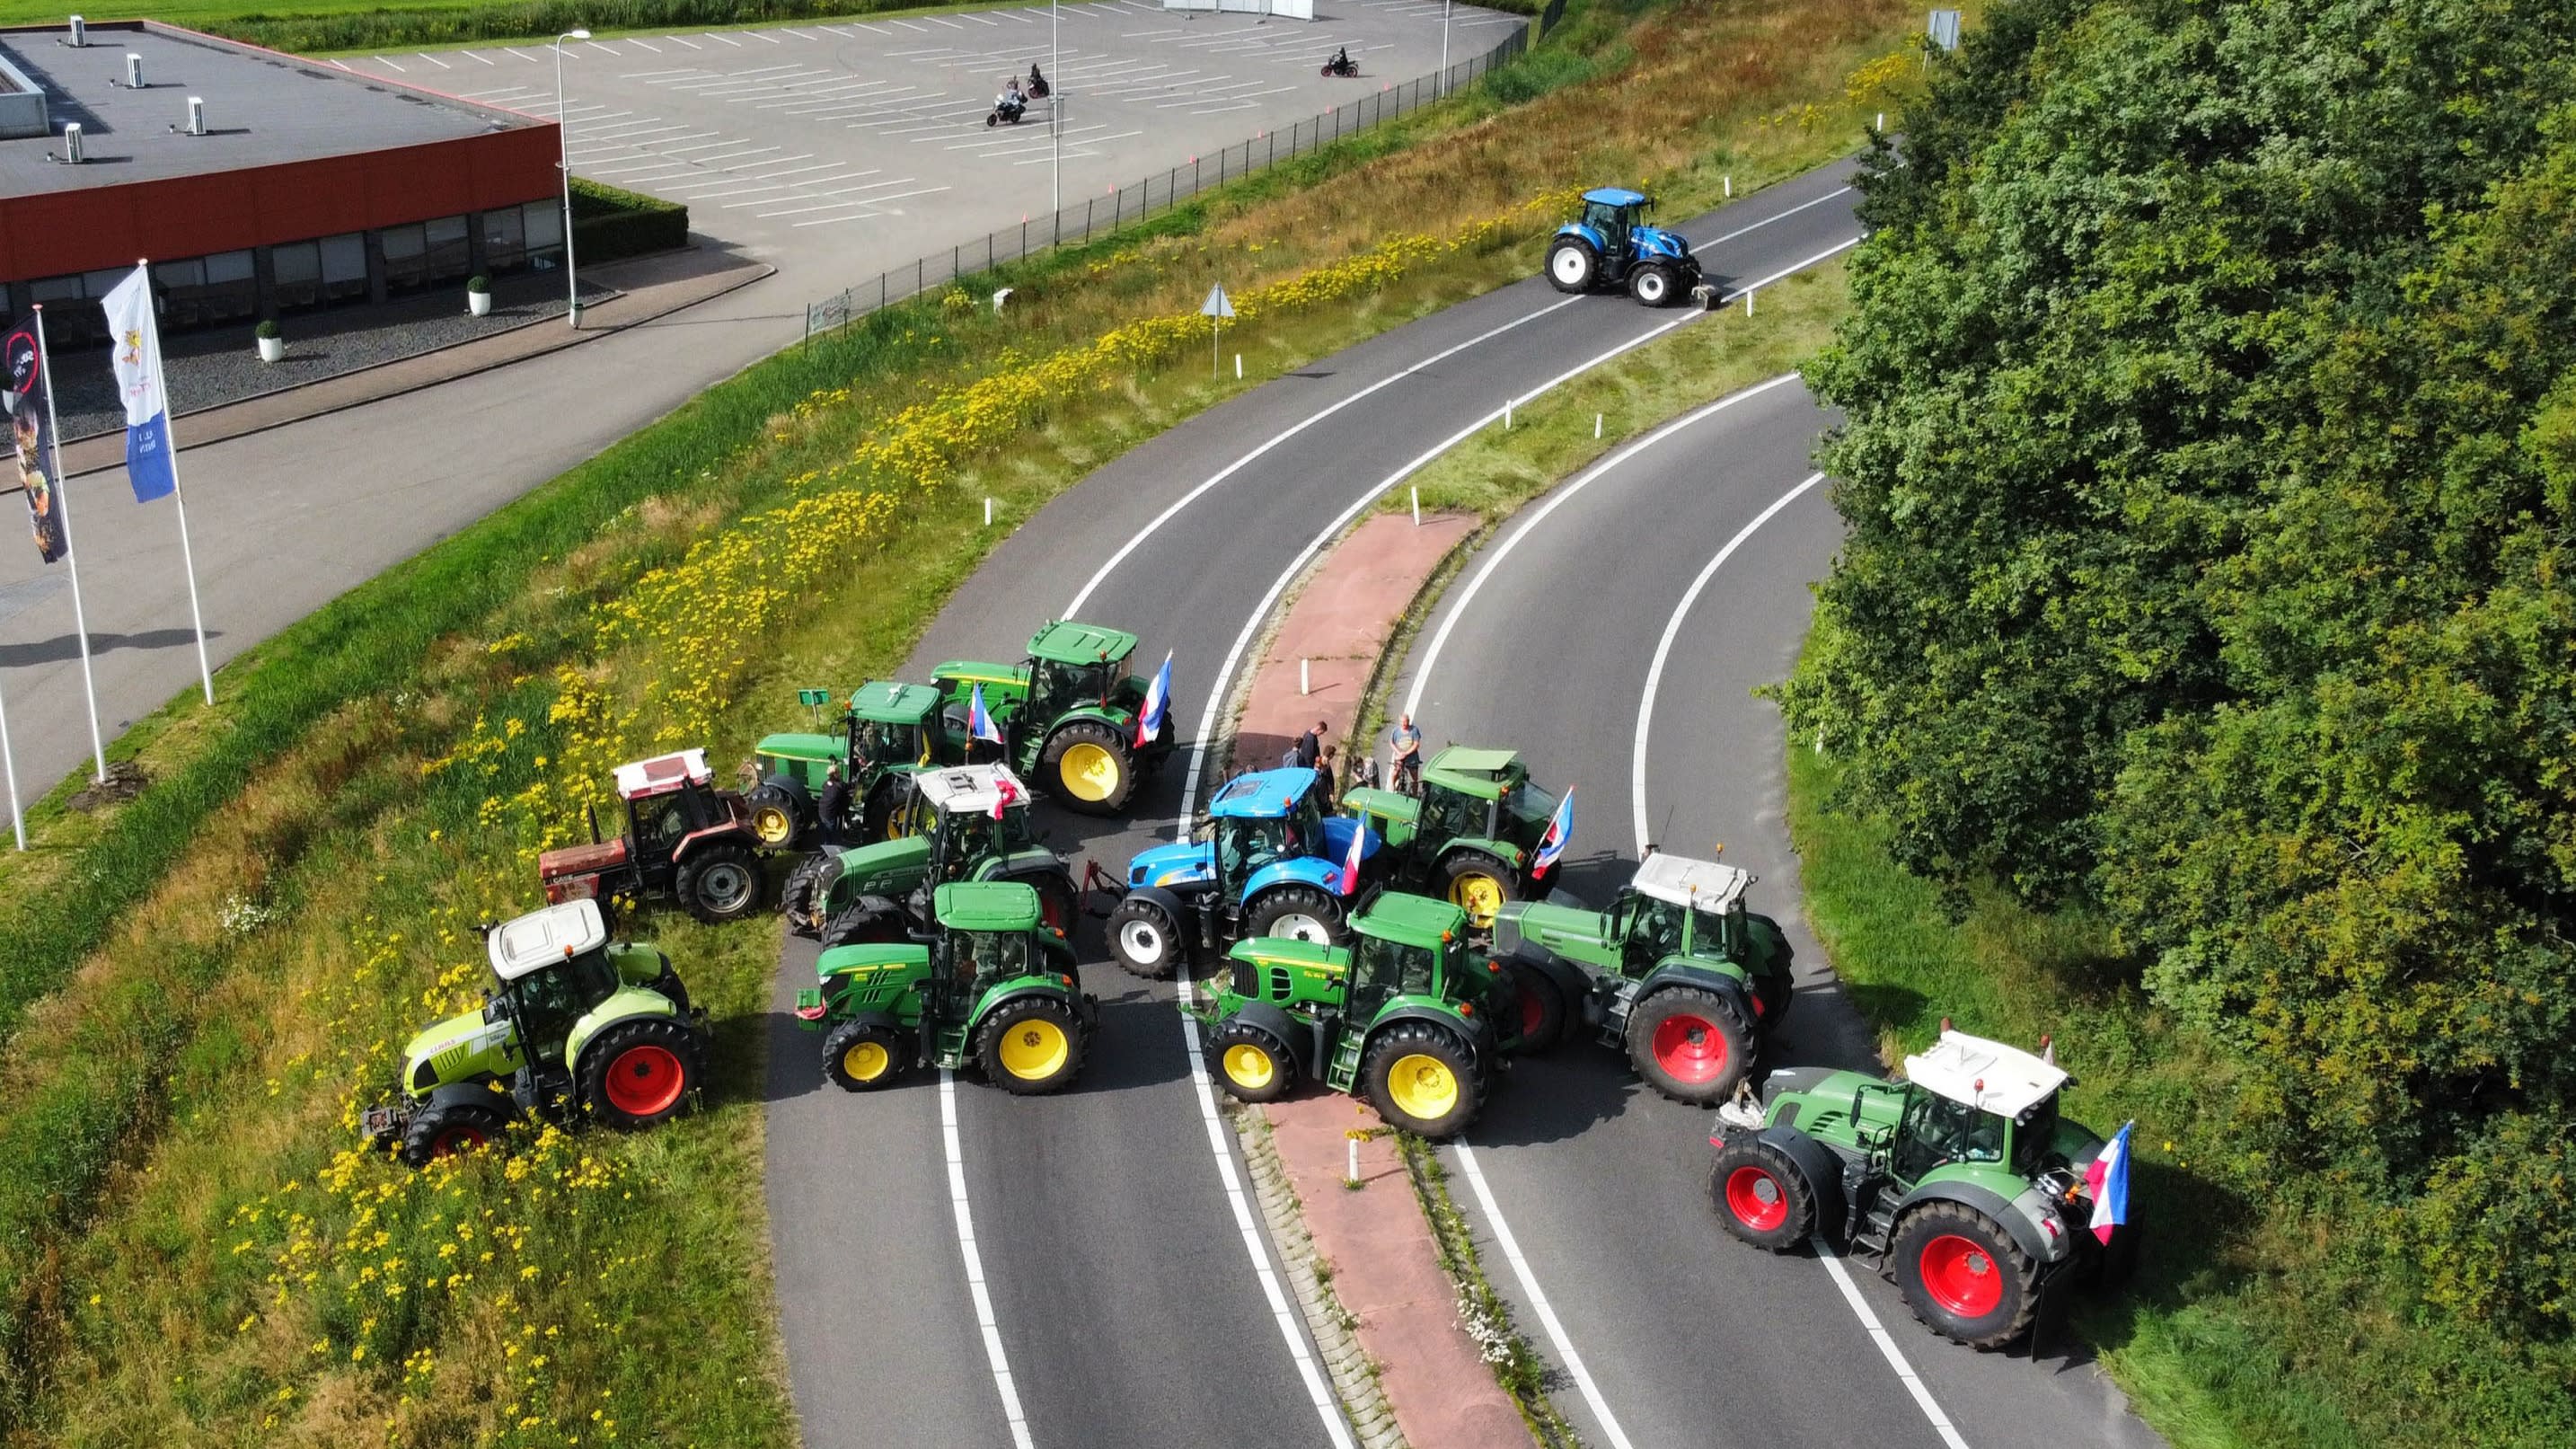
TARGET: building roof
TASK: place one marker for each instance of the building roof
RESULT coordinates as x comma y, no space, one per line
543,937
262,108
1701,884
961,789
663,775
1987,1075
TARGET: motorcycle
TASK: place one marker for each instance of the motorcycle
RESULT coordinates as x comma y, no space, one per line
1004,111
1038,88
1343,66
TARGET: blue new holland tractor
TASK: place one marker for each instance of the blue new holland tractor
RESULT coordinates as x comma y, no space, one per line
1267,862
1610,245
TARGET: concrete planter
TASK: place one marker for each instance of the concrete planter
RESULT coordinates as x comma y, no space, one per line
272,349
479,303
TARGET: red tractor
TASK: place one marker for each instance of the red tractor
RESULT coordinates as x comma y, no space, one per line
684,838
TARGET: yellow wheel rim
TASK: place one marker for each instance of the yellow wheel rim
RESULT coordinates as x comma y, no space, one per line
1479,895
1034,1049
1423,1086
903,821
1090,771
865,1061
1249,1066
773,825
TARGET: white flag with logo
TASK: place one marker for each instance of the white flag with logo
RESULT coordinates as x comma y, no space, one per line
136,354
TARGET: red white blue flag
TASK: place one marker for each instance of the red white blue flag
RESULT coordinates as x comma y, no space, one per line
1351,862
979,720
2108,1179
1559,831
1158,699
1005,795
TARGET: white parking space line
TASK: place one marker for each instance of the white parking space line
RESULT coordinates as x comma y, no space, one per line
636,41
487,60
799,34
397,69
763,35
647,75
691,44
434,60
603,46
736,44
1042,159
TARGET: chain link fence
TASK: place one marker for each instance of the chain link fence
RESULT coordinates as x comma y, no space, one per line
1155,195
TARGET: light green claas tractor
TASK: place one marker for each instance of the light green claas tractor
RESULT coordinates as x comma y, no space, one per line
1677,974
1067,715
1961,1181
986,984
1471,837
970,823
889,731
1404,1016
579,1026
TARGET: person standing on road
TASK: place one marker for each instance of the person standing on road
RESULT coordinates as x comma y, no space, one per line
1328,766
835,806
1310,745
1408,754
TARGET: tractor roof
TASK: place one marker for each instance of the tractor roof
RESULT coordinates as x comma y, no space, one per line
1481,773
887,702
1071,643
663,775
542,938
798,746
1001,905
1987,1075
1616,196
1701,884
975,789
1412,920
1262,795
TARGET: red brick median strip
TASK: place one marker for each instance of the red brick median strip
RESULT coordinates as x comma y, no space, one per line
1386,1269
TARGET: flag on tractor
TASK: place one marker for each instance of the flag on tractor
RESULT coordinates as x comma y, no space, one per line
26,395
136,356
1560,829
2108,1180
979,720
1005,795
1351,861
1158,698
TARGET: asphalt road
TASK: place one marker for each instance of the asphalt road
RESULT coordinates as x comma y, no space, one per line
1688,1336
1126,1304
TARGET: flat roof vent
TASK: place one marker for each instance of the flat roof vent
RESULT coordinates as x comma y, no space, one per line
80,33
72,143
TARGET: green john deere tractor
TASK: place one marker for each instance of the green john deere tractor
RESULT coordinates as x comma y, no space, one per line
985,984
889,731
1471,837
1067,715
1677,973
580,1026
1960,1180
970,823
1403,1016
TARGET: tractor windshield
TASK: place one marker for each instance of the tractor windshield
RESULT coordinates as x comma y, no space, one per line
1937,1130
987,955
659,824
549,1000
1055,688
1611,221
2035,1138
1654,930
1448,814
878,743
1382,968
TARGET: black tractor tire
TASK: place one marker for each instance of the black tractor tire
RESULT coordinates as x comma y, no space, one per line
1963,1275
1423,1079
1111,798
1774,994
867,921
1249,1063
1573,266
892,812
1145,940
1690,1045
861,1056
1760,1195
1031,1045
778,818
1299,913
1651,283
641,1071
1459,868
443,1129
801,898
1542,1008
720,881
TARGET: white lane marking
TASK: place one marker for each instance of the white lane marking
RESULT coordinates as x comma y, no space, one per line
1766,221
1664,649
1529,525
1887,1345
983,1295
1546,1312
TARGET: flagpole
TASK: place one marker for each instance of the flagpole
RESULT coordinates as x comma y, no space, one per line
17,818
178,495
63,501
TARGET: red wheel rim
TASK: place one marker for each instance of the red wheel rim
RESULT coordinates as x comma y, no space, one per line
457,1139
1960,1275
1690,1048
1745,1189
1533,1012
644,1080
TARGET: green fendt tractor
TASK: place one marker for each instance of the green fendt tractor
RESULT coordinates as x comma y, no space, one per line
889,731
1403,1016
1471,837
971,824
1067,714
1961,1180
579,1026
986,984
1677,973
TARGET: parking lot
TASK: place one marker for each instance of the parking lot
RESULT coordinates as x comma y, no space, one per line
835,150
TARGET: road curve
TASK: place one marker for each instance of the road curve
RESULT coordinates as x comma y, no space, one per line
1687,1336
1126,1301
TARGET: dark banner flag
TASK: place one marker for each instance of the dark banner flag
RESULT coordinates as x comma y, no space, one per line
22,395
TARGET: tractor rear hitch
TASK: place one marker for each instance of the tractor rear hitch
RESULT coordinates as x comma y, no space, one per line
1704,294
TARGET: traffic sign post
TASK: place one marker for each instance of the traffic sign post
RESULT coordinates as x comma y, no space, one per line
1216,309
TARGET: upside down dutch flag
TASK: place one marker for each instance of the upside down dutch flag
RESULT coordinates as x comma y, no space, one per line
2108,1180
1351,861
1005,795
1158,698
1559,830
979,720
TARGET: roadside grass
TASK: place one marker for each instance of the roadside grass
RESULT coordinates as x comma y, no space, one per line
189,1248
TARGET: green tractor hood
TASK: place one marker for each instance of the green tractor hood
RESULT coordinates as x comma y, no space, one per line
1569,931
887,868
462,1047
826,748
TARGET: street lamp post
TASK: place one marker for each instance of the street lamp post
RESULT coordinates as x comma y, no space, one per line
1055,115
563,137
1444,45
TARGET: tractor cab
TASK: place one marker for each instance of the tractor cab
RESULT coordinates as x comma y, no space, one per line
683,837
1414,946
891,724
1071,665
971,813
1972,1101
552,968
960,823
1611,213
1676,906
1472,836
1067,713
889,727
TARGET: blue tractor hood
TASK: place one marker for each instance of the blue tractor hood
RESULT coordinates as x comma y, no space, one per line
1654,241
1169,866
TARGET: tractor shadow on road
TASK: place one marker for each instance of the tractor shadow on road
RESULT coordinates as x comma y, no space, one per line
1573,1088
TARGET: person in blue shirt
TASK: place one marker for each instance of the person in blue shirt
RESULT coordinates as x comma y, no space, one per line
1408,755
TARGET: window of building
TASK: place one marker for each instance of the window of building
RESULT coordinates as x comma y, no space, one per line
406,257
447,257
206,290
505,240
296,269
344,267
543,221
